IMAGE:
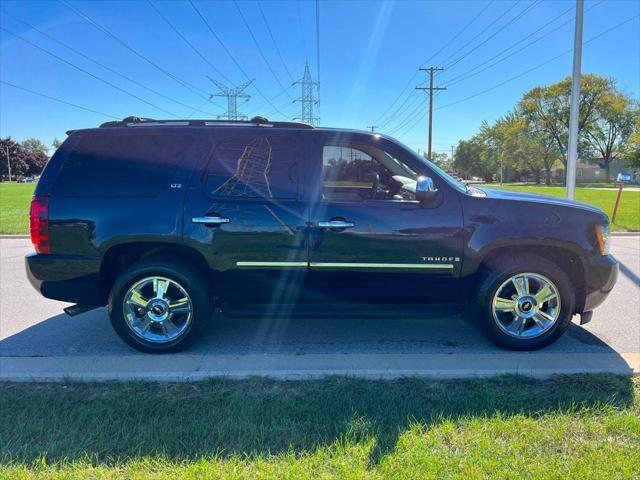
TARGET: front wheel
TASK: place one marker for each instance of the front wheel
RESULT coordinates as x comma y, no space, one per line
524,303
159,306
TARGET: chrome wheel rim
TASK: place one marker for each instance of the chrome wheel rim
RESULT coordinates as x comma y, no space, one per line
526,305
157,309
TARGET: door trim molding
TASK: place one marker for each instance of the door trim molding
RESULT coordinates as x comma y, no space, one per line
446,266
417,266
271,264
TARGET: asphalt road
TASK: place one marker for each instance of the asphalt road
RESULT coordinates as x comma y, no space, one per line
31,326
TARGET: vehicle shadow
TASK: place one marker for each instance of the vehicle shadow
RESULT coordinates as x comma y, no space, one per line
120,422
386,331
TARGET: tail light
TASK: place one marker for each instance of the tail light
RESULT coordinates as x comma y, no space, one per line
39,223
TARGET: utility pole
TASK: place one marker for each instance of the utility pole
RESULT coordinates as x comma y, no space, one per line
232,95
307,98
452,147
431,89
572,152
8,163
372,128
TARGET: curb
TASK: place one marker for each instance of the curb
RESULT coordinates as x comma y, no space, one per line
4,235
189,368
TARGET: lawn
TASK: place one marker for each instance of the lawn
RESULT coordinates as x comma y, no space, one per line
628,218
14,207
584,426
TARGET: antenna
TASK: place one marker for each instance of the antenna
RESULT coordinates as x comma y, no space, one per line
307,98
232,95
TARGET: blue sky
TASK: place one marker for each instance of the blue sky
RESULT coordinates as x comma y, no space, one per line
369,55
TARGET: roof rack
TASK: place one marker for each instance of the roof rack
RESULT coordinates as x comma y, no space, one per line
133,121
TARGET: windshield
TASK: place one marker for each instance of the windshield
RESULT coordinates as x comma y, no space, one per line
444,175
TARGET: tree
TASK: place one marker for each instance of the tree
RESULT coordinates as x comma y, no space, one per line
23,161
34,145
472,158
442,160
547,108
611,126
56,143
632,149
521,148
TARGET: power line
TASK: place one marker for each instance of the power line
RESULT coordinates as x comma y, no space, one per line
415,74
495,20
470,73
275,44
44,95
304,37
96,62
107,82
417,118
219,40
510,22
195,90
515,77
186,40
462,30
246,24
400,107
418,110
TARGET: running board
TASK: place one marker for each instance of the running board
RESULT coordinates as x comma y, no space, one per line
77,309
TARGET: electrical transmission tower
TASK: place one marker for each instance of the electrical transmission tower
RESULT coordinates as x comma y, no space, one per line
307,98
251,177
232,95
372,128
431,89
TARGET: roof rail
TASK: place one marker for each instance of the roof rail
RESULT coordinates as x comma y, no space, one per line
133,121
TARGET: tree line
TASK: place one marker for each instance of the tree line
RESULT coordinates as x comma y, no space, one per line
26,158
533,137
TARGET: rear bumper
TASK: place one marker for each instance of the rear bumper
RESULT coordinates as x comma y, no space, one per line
601,274
67,278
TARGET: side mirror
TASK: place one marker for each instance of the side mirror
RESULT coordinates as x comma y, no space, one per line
425,189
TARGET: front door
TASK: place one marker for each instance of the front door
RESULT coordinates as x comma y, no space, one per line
371,240
244,212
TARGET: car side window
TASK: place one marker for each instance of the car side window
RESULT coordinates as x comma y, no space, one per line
351,174
255,166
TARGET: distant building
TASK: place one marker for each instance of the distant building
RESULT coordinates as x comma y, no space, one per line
593,171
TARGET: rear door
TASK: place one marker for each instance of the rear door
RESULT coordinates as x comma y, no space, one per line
244,211
371,241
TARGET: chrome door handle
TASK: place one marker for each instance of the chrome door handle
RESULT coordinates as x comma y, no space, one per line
336,224
210,220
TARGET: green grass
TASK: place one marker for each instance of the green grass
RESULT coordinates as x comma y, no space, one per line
506,427
15,199
628,218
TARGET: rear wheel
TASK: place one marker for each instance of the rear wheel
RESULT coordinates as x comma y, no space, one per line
524,303
159,306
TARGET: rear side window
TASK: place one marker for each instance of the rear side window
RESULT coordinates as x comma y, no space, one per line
117,165
255,166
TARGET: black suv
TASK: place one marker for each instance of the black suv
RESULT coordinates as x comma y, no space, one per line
164,220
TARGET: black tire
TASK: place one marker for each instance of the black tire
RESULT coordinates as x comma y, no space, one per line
191,280
499,271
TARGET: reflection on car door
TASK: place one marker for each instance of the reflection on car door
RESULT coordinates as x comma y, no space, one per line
381,249
245,208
